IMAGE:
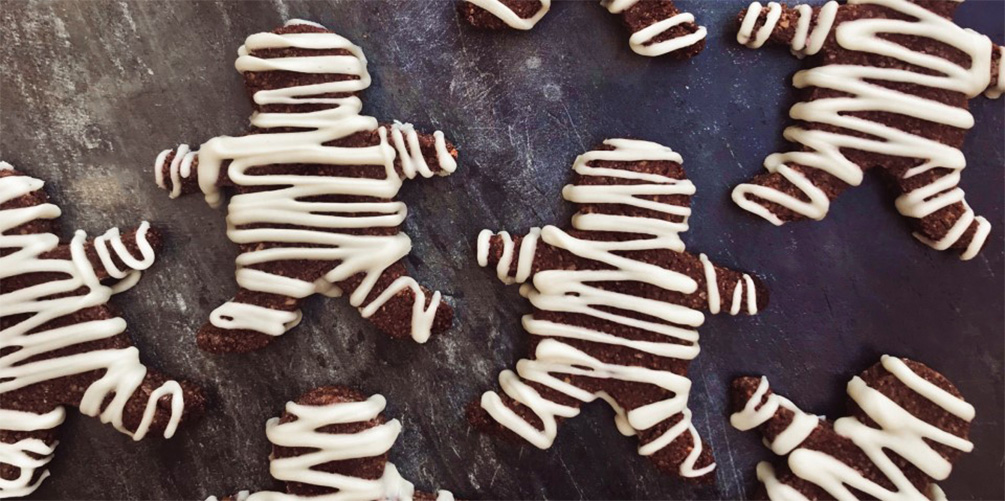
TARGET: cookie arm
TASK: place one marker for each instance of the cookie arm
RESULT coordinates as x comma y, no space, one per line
419,153
729,290
784,428
27,445
804,28
757,406
659,28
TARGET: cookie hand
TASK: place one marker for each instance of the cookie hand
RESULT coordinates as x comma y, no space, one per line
996,87
419,153
177,171
514,258
804,28
731,291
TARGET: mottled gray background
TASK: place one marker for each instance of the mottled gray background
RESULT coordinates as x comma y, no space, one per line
92,91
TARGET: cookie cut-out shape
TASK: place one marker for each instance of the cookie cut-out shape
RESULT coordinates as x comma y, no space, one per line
332,443
617,303
890,89
906,426
657,27
315,182
61,344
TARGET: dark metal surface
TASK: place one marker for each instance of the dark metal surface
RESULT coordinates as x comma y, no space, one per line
92,91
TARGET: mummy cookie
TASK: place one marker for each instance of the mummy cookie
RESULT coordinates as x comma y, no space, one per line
657,27
333,442
907,425
889,89
617,302
62,345
314,183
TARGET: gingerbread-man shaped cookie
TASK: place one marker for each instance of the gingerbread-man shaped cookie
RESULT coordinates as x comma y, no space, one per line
889,90
908,424
61,343
333,442
315,183
616,306
657,27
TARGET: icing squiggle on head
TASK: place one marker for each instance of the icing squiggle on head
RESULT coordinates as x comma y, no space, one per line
288,215
826,149
608,238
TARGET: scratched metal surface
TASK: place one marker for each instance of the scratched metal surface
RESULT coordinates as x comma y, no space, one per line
93,90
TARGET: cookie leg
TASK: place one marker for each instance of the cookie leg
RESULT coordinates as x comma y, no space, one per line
789,193
396,304
250,321
939,212
526,409
662,422
158,405
27,445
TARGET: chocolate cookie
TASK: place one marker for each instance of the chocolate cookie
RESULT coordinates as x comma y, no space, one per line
907,425
315,182
63,345
657,26
889,88
334,442
617,303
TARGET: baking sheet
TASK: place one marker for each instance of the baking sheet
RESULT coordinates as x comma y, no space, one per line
91,91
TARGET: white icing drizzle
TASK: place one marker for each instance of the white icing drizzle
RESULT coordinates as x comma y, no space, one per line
28,454
284,205
575,291
641,41
824,148
123,372
303,432
506,15
898,431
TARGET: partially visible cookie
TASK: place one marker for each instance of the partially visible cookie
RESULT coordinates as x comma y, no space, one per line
907,425
334,441
657,27
315,184
888,91
616,303
62,343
